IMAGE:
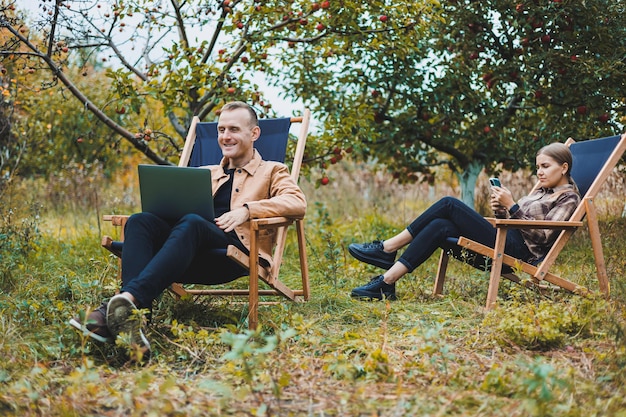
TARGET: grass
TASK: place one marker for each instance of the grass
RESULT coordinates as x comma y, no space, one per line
332,356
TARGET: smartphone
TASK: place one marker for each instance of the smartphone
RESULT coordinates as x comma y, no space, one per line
495,182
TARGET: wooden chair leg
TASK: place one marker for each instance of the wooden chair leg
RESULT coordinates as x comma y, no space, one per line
304,266
441,272
596,245
253,303
496,269
253,297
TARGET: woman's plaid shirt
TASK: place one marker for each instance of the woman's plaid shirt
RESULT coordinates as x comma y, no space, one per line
555,204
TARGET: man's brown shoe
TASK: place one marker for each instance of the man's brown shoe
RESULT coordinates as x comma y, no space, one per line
95,325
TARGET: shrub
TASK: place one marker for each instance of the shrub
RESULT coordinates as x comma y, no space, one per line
19,232
538,326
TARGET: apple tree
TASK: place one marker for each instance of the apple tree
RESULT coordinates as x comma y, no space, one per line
11,147
42,127
189,56
483,85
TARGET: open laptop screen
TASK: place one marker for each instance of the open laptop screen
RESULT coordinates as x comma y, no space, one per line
170,192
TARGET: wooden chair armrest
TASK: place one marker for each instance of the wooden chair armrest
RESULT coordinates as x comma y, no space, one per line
116,219
265,223
271,222
533,224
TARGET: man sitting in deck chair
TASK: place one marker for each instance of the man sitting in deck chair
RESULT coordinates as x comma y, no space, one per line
158,253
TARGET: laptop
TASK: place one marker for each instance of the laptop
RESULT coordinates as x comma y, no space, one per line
170,192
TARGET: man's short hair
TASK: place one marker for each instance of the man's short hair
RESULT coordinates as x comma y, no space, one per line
234,105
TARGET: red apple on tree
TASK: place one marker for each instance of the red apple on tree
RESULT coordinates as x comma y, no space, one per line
324,181
325,4
537,24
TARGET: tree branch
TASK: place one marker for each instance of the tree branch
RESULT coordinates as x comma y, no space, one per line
53,28
58,72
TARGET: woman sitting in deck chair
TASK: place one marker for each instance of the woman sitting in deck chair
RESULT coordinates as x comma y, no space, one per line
556,199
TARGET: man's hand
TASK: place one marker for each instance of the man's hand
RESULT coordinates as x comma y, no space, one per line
228,221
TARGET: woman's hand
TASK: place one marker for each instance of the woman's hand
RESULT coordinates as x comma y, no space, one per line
501,198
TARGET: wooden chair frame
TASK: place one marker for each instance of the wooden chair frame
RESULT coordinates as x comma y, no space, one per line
541,272
256,272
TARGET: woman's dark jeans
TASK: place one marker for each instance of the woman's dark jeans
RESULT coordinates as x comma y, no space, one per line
157,253
450,217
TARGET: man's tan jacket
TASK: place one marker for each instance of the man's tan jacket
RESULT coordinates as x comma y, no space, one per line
268,190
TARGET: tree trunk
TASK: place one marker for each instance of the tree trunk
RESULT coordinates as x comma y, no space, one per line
467,181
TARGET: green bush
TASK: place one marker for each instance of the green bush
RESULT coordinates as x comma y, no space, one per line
19,233
540,326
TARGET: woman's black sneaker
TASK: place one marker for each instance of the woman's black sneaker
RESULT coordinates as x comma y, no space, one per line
373,254
376,289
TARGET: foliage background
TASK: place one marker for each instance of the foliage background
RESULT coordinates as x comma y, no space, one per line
470,85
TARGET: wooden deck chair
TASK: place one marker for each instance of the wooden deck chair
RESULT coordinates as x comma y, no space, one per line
593,162
201,148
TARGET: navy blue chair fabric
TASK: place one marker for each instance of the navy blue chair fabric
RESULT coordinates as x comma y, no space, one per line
588,159
272,144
